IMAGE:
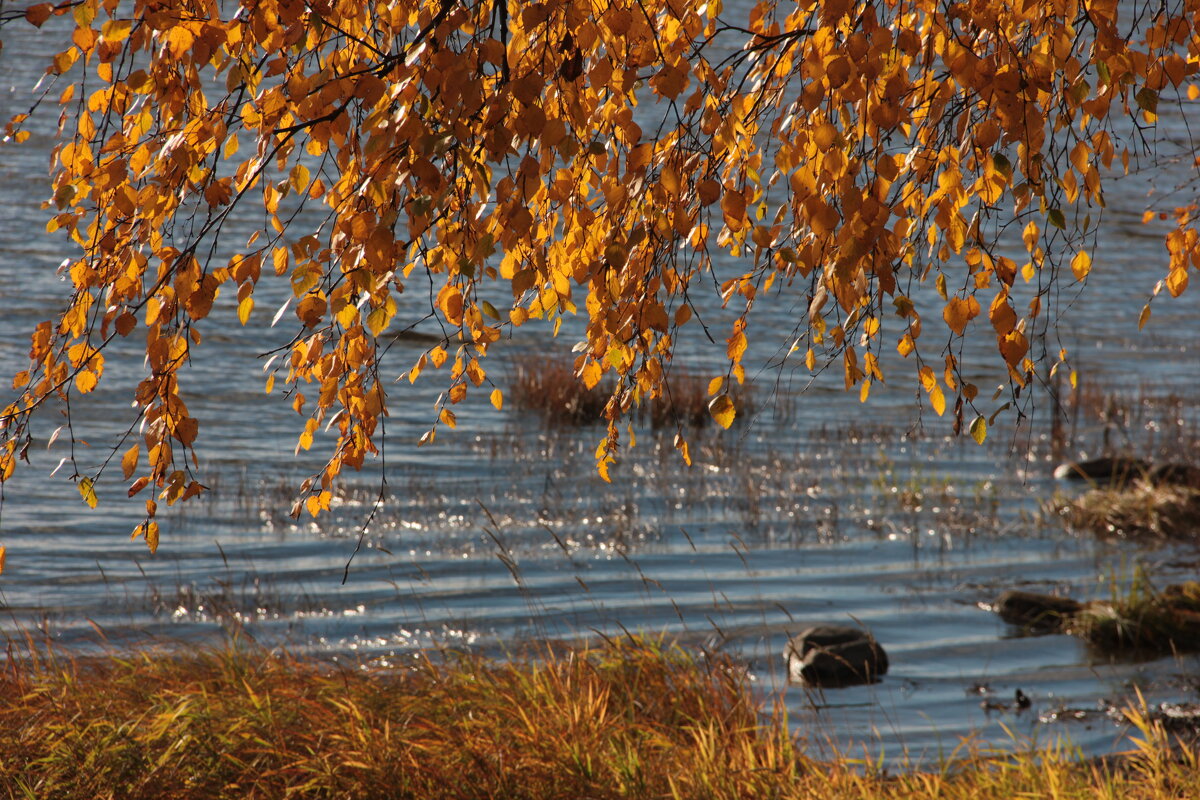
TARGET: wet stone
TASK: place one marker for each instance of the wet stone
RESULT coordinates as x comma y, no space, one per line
1110,469
1183,475
1039,612
1119,471
833,656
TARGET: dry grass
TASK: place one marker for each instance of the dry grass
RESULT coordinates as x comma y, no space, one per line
1141,510
629,720
547,384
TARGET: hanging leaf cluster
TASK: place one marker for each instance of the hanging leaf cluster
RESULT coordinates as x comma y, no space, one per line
613,160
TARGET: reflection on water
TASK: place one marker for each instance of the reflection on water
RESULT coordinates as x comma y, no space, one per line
817,510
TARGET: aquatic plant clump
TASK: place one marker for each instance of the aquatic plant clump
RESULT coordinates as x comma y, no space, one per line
1143,620
1141,510
550,386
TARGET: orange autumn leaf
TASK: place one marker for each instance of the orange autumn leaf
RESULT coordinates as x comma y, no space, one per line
959,311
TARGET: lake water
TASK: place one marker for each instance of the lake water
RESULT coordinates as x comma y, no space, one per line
818,509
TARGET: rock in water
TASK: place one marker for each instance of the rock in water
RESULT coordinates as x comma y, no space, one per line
834,655
1110,469
1184,475
1040,612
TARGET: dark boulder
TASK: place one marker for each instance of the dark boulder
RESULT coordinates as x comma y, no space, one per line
1039,612
1116,470
834,655
1184,475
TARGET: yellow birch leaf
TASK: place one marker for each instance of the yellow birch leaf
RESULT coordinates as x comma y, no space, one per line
1030,236
591,374
1144,317
497,399
737,346
3,554
1081,265
299,178
347,316
245,306
733,208
87,490
928,379
84,13
1177,282
450,301
959,312
310,310
377,320
824,136
979,429
129,461
152,536
722,410
85,381
1003,318
716,385
938,400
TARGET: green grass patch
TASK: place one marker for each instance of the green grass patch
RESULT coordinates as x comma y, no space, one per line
629,719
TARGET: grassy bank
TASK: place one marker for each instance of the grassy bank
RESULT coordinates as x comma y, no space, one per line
628,720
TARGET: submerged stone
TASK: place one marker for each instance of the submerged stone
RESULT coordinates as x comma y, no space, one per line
1184,475
1110,469
1040,612
833,656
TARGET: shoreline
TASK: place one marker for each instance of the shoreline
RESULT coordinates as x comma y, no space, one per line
630,718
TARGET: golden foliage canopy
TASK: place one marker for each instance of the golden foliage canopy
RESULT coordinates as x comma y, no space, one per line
590,158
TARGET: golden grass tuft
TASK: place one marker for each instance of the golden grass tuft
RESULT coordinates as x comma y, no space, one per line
632,719
1142,510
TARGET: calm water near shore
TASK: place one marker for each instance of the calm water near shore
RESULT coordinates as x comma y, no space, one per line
818,509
